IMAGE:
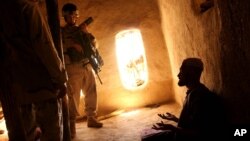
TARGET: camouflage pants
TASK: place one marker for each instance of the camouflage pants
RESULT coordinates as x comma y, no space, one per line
47,115
81,78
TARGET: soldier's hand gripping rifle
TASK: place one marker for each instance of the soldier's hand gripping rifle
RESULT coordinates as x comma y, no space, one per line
91,51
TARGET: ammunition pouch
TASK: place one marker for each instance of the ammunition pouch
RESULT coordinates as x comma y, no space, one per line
74,55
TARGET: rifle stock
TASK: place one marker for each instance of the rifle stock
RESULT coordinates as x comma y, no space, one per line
87,21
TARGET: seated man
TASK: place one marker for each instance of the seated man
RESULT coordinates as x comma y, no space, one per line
201,117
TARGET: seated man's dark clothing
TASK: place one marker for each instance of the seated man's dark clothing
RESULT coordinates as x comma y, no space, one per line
203,112
202,117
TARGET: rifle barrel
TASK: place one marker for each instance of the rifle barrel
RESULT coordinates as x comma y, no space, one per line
99,78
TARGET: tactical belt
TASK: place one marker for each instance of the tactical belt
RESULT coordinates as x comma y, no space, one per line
84,62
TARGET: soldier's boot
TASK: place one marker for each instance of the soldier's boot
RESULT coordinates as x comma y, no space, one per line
92,122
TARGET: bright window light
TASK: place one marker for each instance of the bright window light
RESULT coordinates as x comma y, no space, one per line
131,59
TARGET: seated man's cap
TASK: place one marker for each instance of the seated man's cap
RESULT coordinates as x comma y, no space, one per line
193,62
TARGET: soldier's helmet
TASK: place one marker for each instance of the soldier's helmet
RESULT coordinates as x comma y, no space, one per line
69,9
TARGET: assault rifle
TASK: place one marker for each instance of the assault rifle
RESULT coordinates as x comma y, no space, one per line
91,51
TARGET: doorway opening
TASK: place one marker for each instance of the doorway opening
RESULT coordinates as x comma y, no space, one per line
131,59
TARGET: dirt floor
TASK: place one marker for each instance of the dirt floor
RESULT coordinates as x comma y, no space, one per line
121,125
126,125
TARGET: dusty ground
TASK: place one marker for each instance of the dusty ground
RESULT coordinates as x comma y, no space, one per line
122,126
126,126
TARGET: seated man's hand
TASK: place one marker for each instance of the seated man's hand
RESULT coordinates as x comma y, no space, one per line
163,126
169,116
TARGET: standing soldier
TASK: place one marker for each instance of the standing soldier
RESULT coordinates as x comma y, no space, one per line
78,68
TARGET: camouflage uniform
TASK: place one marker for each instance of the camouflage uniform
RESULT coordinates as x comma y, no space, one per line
36,70
80,74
